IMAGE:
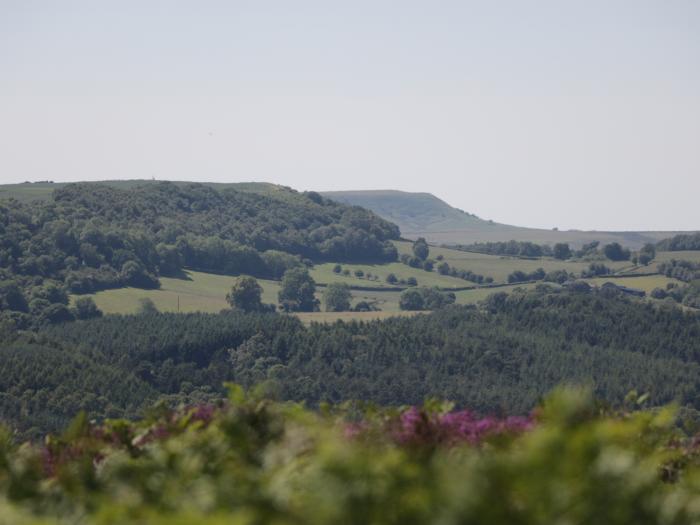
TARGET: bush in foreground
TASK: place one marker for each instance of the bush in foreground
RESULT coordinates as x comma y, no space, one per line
250,461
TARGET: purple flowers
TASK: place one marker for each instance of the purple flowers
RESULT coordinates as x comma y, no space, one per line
419,427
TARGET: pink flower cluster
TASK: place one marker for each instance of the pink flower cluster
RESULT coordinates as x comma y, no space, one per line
417,427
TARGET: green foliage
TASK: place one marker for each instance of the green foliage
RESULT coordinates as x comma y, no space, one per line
615,252
512,248
425,299
683,242
92,237
297,293
561,251
85,308
147,306
412,300
505,355
647,254
421,249
251,460
245,295
337,297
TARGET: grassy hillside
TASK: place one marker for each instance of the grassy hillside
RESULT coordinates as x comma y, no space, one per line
424,215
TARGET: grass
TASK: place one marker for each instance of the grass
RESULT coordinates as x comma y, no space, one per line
323,273
199,292
692,256
206,292
643,282
499,267
479,294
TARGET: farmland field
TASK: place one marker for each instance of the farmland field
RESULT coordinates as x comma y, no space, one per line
323,274
643,282
693,256
479,294
499,267
205,292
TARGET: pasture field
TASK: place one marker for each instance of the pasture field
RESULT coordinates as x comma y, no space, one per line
198,292
499,267
479,294
323,274
662,257
643,282
206,292
690,255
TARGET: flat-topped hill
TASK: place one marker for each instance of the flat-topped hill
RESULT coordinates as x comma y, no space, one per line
425,215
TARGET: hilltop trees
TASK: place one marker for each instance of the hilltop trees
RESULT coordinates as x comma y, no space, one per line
337,297
298,291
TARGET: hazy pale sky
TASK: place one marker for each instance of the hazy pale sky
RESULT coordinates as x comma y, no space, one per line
576,114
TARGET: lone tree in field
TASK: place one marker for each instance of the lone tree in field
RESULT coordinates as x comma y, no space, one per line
337,297
647,254
615,252
297,292
411,300
245,295
561,251
421,249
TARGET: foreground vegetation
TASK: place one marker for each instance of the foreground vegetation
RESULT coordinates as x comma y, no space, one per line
251,461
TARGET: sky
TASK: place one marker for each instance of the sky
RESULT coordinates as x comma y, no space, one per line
563,113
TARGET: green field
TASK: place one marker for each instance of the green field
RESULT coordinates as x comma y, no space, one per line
693,256
499,267
479,294
199,292
205,292
323,274
643,282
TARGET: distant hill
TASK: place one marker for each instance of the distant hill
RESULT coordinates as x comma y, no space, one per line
33,191
416,214
424,215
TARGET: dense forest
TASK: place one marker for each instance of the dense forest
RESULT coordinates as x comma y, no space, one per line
91,237
502,357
